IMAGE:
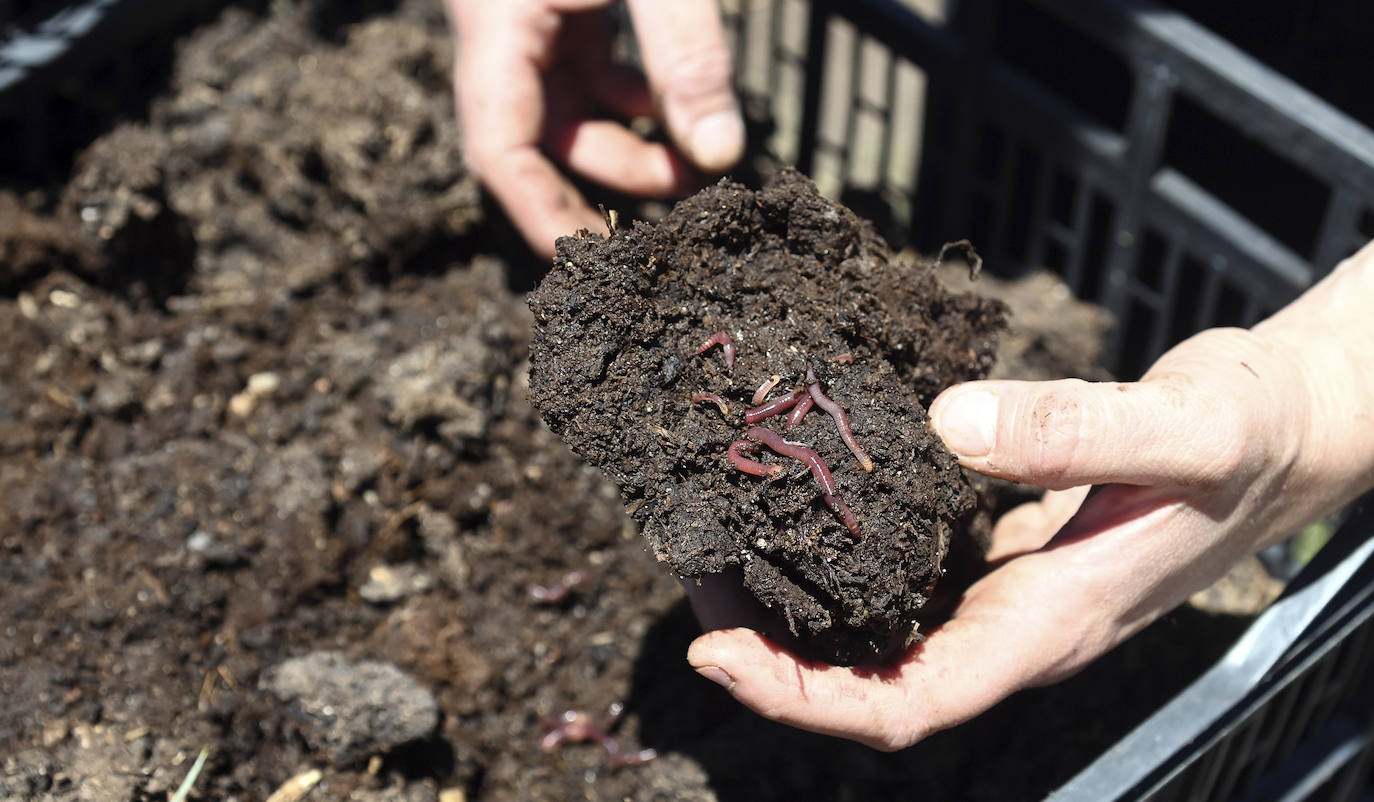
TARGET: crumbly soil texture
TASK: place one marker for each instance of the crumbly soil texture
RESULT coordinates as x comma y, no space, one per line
271,484
801,287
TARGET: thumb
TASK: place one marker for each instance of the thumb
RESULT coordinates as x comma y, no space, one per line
689,70
1067,433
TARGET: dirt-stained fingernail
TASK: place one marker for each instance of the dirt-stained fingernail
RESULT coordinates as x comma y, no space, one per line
717,675
967,423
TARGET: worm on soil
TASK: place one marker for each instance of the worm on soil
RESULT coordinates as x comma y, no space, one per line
813,461
799,411
577,726
727,347
841,420
777,406
560,590
724,408
750,466
761,394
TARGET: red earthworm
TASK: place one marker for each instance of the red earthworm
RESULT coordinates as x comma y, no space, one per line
814,462
777,406
727,347
841,420
576,726
557,592
751,466
714,399
799,411
761,394
843,359
841,509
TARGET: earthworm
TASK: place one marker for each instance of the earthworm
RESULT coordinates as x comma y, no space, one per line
843,359
577,726
761,394
557,592
727,347
814,462
799,411
750,466
777,406
841,420
714,399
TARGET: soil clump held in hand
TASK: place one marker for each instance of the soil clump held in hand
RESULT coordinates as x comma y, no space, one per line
805,291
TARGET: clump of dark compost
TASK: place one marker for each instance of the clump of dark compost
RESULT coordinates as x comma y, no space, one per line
801,286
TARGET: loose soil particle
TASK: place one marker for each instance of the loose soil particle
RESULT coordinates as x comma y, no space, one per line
800,285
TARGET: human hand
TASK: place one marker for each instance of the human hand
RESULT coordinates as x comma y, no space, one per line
535,80
1233,440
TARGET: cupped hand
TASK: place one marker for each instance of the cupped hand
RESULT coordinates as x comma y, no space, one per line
538,91
1214,454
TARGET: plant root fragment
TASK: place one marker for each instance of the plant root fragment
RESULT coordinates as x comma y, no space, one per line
975,262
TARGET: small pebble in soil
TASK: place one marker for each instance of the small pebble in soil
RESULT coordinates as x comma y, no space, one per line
391,583
350,711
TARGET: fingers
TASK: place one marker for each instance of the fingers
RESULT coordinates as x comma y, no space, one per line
688,64
620,90
501,101
539,200
1029,526
1067,433
831,700
1034,621
608,153
961,670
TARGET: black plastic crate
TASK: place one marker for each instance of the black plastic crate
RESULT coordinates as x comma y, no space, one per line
1128,166
1119,144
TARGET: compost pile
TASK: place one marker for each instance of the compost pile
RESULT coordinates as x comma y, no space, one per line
271,485
797,292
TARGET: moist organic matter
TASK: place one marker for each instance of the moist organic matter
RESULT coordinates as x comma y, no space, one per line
792,285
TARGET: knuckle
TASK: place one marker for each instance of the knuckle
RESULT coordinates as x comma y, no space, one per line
699,72
1244,386
894,736
889,742
1053,431
1229,437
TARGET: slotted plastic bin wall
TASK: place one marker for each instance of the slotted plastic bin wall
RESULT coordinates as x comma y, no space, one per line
1114,197
1132,168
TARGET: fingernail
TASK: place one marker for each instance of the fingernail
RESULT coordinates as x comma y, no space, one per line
717,141
968,423
718,676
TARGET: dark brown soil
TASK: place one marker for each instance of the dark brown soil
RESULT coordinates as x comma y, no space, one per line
795,280
263,411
